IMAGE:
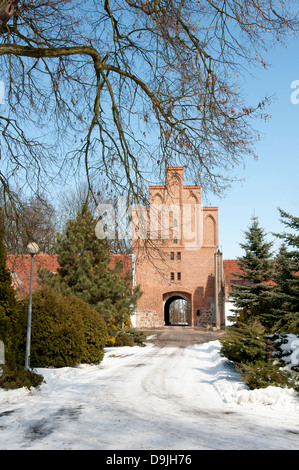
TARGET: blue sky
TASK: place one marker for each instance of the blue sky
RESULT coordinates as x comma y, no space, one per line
273,180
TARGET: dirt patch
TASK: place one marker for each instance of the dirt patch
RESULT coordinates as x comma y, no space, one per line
182,336
42,428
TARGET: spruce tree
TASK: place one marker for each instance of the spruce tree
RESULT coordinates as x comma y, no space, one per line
256,270
274,309
286,291
87,273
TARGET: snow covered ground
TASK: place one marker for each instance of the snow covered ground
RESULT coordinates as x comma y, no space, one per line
166,398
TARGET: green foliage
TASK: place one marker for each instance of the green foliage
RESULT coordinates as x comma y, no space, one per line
124,339
264,308
15,376
245,345
244,342
138,336
256,269
94,333
274,303
7,297
286,300
86,272
262,374
130,337
65,330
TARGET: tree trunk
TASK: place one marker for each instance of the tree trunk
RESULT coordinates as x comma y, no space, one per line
7,8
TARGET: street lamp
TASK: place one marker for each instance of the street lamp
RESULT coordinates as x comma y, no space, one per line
32,249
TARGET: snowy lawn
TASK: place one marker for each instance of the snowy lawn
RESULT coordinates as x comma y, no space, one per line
149,398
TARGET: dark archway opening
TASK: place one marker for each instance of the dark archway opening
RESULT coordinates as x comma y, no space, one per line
177,311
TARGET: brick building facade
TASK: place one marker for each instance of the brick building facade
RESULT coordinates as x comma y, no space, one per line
177,258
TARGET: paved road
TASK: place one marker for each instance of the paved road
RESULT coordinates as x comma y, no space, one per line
182,336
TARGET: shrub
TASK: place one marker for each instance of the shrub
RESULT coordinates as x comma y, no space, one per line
123,339
138,336
244,342
262,374
130,337
65,330
15,376
94,332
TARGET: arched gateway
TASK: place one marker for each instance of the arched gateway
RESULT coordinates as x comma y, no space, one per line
177,309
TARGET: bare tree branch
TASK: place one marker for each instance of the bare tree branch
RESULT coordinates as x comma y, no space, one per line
121,89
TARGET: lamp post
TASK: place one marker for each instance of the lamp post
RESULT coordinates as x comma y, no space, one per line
32,249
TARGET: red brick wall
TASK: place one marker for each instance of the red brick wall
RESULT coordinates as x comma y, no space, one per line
20,265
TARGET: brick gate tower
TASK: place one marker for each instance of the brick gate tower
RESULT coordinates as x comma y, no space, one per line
175,243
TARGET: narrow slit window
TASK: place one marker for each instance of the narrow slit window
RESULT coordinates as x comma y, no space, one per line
179,255
172,276
172,255
179,276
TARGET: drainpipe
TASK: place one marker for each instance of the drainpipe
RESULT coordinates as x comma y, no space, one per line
218,288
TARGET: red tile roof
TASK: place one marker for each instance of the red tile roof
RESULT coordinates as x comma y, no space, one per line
230,266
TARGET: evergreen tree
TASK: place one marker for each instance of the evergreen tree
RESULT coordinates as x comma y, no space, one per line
244,342
7,297
256,270
87,273
286,291
273,310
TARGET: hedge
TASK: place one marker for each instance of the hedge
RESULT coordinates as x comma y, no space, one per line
65,331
